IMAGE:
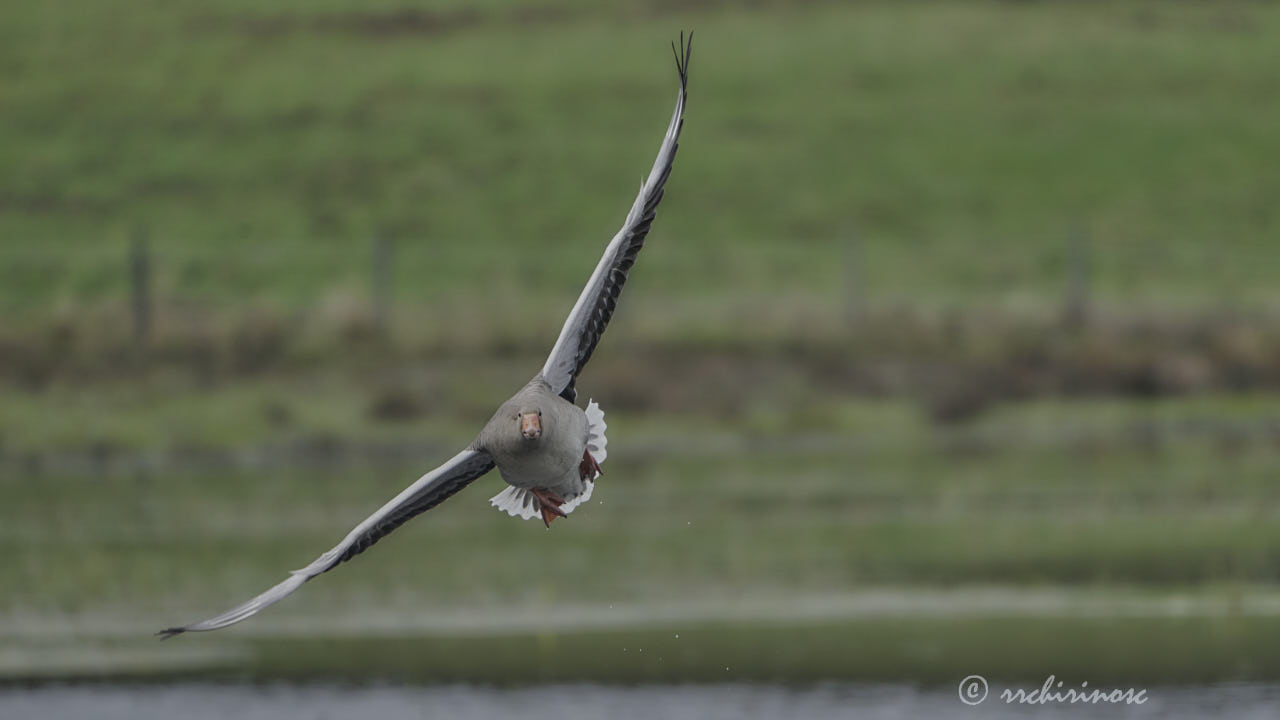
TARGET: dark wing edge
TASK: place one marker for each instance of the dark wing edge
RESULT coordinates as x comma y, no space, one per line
594,308
430,490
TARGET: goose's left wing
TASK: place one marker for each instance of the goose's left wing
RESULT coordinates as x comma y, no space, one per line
430,490
595,305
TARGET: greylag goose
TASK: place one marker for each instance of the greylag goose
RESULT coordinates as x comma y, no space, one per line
546,448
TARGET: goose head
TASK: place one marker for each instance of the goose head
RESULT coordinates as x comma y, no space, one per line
530,422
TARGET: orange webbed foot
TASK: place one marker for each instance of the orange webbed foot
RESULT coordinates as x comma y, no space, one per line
549,505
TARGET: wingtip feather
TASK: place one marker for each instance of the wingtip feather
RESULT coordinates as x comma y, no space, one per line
682,57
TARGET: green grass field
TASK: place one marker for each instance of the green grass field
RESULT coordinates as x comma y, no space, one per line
261,146
1157,498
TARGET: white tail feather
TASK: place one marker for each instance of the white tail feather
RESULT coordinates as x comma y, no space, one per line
516,502
597,443
574,502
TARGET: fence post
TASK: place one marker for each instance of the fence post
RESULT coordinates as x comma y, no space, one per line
854,287
382,259
140,280
1076,306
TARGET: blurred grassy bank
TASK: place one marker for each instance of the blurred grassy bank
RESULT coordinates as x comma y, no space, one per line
896,648
1046,493
261,387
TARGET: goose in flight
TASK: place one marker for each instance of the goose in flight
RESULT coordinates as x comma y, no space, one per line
547,449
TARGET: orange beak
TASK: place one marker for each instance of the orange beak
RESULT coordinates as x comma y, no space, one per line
531,426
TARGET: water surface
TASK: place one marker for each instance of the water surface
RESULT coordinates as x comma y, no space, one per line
566,702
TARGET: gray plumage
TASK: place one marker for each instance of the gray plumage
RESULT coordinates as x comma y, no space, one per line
557,463
550,462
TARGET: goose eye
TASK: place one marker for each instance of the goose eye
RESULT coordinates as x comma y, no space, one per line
539,413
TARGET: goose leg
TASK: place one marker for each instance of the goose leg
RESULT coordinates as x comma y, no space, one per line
589,469
549,504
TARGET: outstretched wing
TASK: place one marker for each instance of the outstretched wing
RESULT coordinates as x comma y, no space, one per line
595,305
430,490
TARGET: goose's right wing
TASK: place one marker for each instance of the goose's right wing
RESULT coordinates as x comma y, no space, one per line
430,490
